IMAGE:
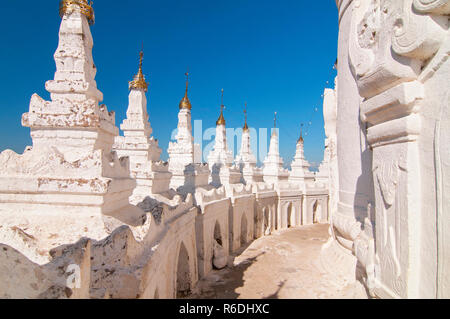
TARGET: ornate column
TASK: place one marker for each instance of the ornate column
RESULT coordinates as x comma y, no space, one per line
353,152
399,51
330,117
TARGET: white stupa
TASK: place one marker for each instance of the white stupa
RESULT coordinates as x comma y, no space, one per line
186,174
220,159
246,160
152,176
300,173
273,170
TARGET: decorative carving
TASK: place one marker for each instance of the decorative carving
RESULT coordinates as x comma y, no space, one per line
417,36
375,67
432,6
387,177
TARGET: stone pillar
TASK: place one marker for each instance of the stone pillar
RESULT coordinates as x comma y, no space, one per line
330,117
354,155
398,53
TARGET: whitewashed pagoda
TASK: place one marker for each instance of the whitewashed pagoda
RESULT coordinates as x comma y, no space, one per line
186,174
152,176
70,176
246,160
273,164
220,159
300,173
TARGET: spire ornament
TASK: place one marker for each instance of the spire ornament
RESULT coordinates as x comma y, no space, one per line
221,120
69,6
185,103
245,128
274,131
300,140
138,82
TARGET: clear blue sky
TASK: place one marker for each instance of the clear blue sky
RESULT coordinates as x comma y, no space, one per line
276,55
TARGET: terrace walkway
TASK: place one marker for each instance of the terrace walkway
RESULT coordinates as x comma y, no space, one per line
295,263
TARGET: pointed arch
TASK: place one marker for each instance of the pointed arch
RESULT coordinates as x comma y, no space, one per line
183,275
317,211
289,215
218,234
244,229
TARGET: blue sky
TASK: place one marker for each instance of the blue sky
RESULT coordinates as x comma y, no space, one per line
274,55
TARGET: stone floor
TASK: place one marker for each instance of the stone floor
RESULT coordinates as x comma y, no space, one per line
299,263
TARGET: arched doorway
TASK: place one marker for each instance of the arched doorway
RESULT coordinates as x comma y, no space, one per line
156,294
289,216
265,223
244,230
183,273
218,234
316,212
219,258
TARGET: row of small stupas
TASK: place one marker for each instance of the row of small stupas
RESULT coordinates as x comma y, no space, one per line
78,159
183,172
82,183
74,126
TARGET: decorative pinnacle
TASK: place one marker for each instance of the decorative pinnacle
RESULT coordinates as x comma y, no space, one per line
275,120
185,103
300,140
221,120
138,82
69,6
245,129
187,81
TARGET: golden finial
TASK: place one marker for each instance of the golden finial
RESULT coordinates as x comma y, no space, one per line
69,6
245,129
138,82
300,140
221,120
275,120
185,103
274,131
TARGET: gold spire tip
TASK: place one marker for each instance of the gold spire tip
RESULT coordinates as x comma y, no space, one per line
138,82
245,129
300,140
185,103
85,8
221,120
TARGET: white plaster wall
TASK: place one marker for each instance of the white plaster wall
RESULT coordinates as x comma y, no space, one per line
211,213
240,206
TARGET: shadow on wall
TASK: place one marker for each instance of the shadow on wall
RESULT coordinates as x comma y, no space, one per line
365,204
